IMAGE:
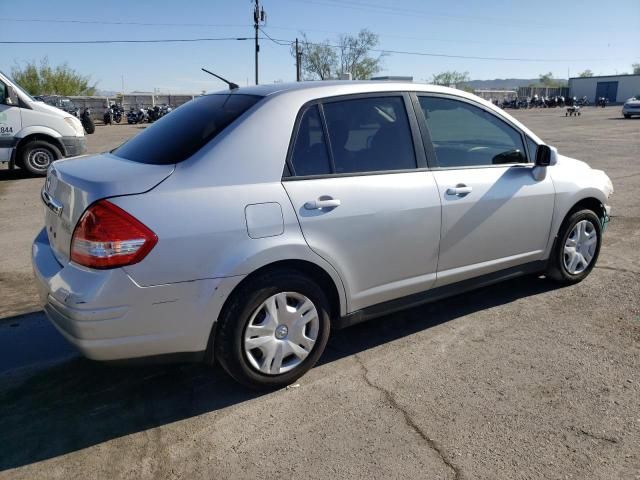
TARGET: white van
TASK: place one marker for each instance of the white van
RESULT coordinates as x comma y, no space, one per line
34,134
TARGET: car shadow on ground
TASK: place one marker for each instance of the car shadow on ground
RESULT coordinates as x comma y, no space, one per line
77,403
18,173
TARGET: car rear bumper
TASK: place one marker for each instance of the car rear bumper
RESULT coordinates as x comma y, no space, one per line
107,316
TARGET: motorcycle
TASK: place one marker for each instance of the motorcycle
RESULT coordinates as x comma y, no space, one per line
116,111
154,114
166,109
137,116
107,116
87,121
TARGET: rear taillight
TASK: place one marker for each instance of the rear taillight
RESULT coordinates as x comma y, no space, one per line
108,237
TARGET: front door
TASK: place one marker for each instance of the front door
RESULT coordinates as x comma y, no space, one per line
361,201
495,214
10,124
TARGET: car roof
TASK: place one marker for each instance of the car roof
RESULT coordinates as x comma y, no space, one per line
320,88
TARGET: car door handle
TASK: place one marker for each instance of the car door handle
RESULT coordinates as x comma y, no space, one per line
459,190
322,203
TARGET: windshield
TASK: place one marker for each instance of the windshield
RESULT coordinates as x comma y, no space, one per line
180,134
18,87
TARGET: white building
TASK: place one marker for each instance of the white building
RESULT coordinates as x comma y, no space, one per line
617,88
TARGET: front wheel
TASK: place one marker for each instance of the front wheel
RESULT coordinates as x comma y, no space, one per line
273,330
37,155
577,247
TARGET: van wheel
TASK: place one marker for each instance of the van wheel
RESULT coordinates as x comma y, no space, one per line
577,248
37,155
273,330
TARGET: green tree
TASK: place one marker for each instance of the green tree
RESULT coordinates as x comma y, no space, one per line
547,80
586,73
351,54
451,78
44,79
636,68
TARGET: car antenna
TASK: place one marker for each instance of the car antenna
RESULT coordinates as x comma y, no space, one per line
232,86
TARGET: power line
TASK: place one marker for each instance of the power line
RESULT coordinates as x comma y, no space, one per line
160,40
288,42
467,57
278,42
109,22
408,12
439,39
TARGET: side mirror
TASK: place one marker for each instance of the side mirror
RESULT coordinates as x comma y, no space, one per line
12,96
546,156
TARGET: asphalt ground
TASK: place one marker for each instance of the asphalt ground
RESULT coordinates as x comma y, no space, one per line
518,380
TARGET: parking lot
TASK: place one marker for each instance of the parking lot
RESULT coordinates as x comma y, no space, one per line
519,380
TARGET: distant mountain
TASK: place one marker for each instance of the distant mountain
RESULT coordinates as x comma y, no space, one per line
106,93
502,84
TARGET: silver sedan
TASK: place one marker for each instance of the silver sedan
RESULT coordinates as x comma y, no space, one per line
248,223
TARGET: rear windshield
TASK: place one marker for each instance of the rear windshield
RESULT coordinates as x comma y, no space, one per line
184,131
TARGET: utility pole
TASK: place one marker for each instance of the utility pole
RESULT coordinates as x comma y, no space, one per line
298,61
258,17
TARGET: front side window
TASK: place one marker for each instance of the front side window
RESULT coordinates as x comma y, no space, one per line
3,92
464,135
370,135
176,137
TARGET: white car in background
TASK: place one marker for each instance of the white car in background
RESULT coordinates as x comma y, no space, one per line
631,107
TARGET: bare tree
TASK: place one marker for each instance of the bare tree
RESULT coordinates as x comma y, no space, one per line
324,60
319,59
354,55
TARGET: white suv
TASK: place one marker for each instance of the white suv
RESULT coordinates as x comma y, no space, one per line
246,223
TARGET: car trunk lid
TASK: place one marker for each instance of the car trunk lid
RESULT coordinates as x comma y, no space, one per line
72,185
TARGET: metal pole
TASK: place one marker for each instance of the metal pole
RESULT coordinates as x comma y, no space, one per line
256,23
297,61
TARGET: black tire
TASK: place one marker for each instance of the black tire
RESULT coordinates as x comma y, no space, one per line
627,116
33,156
557,269
230,329
88,125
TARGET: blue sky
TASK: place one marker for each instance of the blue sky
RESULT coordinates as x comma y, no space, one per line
601,36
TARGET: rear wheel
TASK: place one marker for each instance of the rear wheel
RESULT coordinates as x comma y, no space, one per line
273,330
37,155
577,247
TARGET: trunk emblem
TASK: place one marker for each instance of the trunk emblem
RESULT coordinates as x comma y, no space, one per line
52,181
51,202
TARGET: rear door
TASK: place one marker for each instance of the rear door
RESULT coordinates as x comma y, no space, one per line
364,198
495,214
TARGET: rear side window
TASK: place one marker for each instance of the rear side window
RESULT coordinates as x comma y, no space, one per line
464,135
186,130
310,155
370,135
